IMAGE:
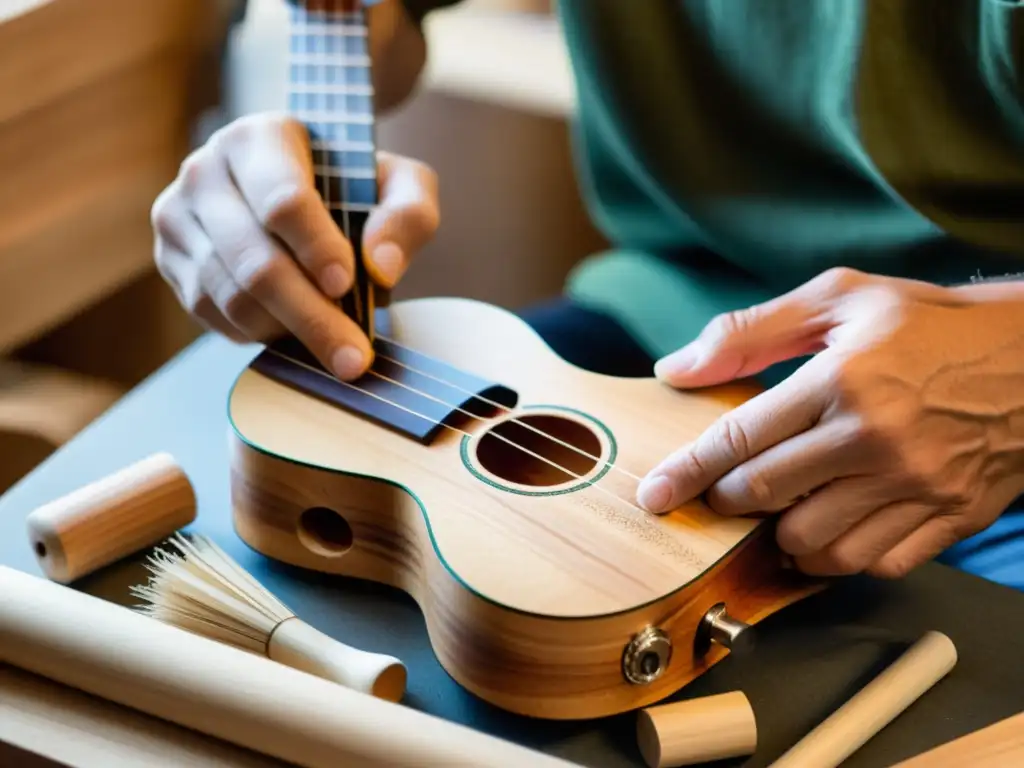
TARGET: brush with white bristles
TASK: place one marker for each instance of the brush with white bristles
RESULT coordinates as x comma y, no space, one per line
202,590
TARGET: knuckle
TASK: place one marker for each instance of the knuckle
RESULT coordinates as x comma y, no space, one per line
285,204
237,307
200,304
723,326
317,335
428,176
836,281
846,561
751,486
730,437
853,383
425,218
258,270
190,174
893,567
160,213
793,537
872,437
239,131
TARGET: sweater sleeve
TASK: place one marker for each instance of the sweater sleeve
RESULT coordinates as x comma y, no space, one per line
418,9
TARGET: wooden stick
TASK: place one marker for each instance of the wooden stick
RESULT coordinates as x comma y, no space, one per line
697,731
874,706
996,746
111,518
120,655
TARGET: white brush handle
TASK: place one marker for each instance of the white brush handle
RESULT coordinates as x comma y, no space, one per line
296,644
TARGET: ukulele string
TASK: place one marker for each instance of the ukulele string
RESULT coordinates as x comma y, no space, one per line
492,403
434,422
323,43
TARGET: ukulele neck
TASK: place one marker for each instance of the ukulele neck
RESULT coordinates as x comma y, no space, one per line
330,91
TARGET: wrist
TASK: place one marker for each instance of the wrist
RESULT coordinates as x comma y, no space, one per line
1008,286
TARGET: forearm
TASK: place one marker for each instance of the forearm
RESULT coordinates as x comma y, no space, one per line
1005,287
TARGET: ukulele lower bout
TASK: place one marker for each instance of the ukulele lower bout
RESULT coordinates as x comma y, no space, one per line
545,591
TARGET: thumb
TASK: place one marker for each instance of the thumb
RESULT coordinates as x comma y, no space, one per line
745,342
405,221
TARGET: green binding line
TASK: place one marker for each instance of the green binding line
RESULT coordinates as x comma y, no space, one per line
613,452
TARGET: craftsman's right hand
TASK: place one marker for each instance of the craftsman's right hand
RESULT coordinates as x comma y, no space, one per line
246,242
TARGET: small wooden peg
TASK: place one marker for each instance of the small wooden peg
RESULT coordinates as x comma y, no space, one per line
697,731
111,518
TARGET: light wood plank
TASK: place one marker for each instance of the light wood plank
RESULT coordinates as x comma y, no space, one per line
1000,745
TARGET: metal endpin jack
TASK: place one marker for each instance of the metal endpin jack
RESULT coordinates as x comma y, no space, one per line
718,626
646,657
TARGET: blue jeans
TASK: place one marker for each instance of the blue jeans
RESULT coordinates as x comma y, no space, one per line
594,341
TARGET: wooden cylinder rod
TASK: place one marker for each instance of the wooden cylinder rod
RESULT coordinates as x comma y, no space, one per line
697,731
123,656
111,518
875,706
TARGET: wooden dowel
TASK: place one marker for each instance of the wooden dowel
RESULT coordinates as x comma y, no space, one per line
121,655
996,746
697,731
874,706
111,518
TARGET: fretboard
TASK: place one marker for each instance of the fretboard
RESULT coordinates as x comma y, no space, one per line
330,91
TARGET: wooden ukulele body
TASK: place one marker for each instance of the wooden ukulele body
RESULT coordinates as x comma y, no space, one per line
533,583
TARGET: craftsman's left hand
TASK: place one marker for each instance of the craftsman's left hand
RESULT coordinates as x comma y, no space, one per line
903,434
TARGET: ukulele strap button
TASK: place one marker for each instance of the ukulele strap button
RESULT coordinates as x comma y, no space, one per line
646,656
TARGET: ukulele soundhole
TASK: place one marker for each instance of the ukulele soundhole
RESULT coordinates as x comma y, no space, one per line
540,451
325,532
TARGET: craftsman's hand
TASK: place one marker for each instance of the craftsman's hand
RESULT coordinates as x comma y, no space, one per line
902,435
250,249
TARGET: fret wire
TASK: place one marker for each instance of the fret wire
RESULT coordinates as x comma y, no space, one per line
331,89
327,145
332,30
345,173
331,118
355,207
329,60
325,71
354,17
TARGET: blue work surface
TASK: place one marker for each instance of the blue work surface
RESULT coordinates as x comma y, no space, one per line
807,661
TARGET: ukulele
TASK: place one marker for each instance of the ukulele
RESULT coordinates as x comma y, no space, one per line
477,471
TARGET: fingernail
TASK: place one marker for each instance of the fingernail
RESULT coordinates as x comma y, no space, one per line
334,280
348,362
677,363
654,493
388,260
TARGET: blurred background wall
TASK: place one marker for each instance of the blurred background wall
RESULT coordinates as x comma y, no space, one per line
101,99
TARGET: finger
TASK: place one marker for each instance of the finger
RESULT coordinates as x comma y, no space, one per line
260,267
867,541
180,248
235,304
747,341
205,289
767,419
920,546
778,477
406,219
190,261
183,275
817,521
272,165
